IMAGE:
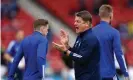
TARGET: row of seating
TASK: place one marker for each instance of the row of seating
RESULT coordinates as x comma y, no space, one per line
22,21
62,9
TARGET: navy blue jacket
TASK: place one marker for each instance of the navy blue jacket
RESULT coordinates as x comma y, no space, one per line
86,56
110,44
34,50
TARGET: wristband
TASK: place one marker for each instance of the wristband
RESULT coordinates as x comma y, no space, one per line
65,52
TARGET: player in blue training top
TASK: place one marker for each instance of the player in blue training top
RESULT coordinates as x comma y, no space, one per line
34,49
11,52
110,44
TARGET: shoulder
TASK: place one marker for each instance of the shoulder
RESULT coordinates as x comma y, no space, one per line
43,39
115,31
91,38
26,38
96,27
12,43
91,35
36,38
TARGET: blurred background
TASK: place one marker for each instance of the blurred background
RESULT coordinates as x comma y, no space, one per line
17,17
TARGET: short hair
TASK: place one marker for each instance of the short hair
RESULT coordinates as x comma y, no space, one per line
105,11
85,15
40,22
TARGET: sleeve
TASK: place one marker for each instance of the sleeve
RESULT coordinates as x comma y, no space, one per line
15,63
10,47
84,53
119,54
72,49
41,57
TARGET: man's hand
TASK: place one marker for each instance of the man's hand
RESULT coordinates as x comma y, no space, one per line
126,78
60,47
8,57
64,38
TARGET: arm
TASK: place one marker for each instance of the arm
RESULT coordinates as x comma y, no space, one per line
8,57
15,63
9,50
41,57
119,53
72,49
84,53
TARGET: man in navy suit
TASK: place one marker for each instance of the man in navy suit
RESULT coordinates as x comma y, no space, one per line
85,52
34,49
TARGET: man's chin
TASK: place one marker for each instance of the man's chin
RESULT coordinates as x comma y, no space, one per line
77,32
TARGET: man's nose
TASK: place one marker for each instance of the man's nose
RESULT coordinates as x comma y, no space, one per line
75,24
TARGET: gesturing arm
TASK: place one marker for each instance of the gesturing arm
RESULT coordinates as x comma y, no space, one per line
84,52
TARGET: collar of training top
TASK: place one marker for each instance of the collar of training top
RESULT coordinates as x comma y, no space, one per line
104,22
85,32
37,32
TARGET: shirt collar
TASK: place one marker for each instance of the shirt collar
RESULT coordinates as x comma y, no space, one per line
37,32
104,22
85,32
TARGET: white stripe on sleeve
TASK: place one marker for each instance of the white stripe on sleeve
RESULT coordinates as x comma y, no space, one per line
124,62
77,55
43,72
10,45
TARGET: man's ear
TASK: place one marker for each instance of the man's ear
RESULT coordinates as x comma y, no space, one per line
41,28
88,24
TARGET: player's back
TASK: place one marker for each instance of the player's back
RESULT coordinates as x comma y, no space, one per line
105,34
30,45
